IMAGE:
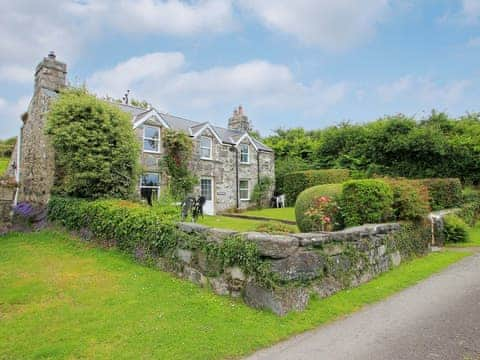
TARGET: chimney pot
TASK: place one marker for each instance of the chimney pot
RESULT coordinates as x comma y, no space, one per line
240,109
51,55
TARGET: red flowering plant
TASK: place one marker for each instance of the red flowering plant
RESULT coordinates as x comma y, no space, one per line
322,213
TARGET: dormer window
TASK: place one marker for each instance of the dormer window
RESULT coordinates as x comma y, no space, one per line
206,148
151,139
244,153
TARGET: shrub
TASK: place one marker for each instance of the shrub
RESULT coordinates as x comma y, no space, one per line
470,194
410,199
455,229
366,201
261,192
96,151
444,193
296,182
274,228
307,200
470,213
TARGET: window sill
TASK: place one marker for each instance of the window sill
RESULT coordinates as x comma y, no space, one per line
152,152
207,159
244,199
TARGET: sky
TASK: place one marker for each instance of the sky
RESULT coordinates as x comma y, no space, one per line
302,63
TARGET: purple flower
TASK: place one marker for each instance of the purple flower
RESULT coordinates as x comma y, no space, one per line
24,209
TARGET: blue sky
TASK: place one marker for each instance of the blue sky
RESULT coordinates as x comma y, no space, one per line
308,63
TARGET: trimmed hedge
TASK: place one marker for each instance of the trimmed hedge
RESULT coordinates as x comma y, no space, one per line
444,193
455,229
410,199
294,183
366,201
307,199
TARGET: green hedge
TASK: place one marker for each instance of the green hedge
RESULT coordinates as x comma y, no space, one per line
444,193
294,183
153,231
455,229
307,199
366,201
410,199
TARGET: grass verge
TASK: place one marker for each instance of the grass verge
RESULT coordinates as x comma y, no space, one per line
61,298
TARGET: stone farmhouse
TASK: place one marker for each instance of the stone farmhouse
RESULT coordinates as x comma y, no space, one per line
227,161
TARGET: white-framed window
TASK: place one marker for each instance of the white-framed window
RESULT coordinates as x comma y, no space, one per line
244,154
205,147
151,139
243,189
150,186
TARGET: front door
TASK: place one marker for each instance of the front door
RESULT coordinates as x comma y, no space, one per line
206,190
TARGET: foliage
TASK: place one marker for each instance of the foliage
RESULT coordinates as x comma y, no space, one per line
3,166
7,146
306,200
470,194
284,167
366,201
444,193
124,300
96,152
455,229
397,146
410,199
470,212
261,192
296,182
412,239
272,227
178,148
322,213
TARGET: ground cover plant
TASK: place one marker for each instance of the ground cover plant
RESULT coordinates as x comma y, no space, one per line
62,298
473,238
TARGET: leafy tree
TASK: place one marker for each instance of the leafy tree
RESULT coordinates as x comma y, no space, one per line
96,151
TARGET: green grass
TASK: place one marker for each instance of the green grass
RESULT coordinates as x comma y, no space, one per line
238,224
61,298
278,214
473,238
3,165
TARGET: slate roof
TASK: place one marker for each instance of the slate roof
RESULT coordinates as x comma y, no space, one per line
228,136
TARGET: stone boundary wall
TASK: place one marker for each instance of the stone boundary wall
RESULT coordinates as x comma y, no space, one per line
7,195
302,264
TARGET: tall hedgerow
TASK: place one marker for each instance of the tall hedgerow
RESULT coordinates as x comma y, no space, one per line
96,151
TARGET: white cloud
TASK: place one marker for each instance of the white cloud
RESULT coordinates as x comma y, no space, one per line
332,25
16,73
473,42
424,91
30,29
166,83
471,10
10,112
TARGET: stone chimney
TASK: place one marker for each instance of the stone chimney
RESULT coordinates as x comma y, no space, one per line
239,121
50,74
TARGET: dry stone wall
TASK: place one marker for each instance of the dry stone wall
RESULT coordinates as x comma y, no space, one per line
300,264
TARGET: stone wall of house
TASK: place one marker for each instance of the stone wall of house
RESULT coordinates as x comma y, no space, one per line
37,167
301,264
7,194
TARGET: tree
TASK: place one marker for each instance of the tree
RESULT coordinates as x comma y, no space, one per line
96,151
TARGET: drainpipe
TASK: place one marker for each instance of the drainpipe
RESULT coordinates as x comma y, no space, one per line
236,178
258,167
17,170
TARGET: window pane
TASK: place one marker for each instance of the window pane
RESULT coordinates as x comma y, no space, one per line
151,179
205,153
244,152
206,189
243,186
205,142
152,132
150,145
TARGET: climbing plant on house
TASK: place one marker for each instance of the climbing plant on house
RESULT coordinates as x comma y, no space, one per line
96,151
178,148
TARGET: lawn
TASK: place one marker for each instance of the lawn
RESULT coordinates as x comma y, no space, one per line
237,223
3,165
473,238
61,298
278,214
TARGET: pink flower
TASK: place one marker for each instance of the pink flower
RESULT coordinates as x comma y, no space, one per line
327,219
